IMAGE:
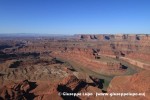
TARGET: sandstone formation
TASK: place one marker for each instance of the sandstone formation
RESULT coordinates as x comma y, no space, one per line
137,83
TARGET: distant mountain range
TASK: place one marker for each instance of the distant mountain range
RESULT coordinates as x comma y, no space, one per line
30,35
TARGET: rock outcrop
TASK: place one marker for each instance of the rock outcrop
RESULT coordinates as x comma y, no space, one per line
17,91
137,83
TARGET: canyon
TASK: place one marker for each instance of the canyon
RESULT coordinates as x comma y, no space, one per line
43,68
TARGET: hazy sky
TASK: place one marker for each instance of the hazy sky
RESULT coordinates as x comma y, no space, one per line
74,16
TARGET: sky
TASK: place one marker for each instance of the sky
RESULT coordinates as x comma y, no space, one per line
74,16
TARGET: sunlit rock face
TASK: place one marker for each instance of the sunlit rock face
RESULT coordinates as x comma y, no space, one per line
136,83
